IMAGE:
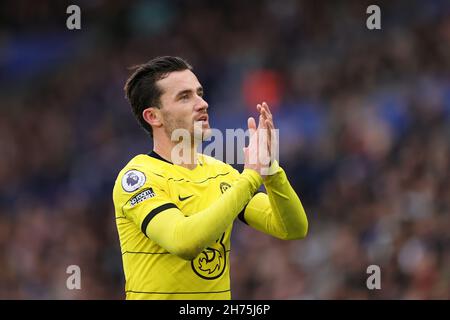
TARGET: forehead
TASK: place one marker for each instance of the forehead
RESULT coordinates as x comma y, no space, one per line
177,81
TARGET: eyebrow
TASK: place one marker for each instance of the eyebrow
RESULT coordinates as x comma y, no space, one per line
188,91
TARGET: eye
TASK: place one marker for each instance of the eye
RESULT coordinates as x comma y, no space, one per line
184,97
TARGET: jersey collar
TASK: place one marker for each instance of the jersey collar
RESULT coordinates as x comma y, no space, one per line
153,154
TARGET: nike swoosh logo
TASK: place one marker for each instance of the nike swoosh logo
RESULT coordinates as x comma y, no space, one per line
184,198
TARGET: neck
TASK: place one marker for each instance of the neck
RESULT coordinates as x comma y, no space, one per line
179,153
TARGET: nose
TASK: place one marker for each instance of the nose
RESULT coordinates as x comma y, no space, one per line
202,104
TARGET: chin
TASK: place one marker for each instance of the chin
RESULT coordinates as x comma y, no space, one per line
206,133
201,131
202,135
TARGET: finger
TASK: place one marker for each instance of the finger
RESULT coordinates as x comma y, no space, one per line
269,117
246,157
269,126
262,123
269,134
274,140
262,112
251,125
266,107
265,114
263,150
258,107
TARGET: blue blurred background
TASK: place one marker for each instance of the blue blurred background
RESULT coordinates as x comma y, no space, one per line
364,119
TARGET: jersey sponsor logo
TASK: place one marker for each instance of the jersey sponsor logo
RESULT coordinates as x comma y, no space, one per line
211,262
224,186
133,180
142,196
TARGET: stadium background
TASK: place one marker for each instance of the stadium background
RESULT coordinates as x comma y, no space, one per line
364,118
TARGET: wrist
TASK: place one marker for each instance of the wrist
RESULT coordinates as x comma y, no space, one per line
271,170
253,176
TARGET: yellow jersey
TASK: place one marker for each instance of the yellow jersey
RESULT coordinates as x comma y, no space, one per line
174,224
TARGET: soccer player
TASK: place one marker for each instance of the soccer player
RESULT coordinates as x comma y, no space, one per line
174,219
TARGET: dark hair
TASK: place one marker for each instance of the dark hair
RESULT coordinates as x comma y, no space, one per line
141,89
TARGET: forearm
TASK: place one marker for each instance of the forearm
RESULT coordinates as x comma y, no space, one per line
287,214
188,236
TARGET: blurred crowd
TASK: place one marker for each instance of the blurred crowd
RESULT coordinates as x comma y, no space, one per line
364,119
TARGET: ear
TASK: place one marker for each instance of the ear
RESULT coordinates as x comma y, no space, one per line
152,116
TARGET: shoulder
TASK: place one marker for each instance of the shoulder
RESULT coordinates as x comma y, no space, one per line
140,171
210,161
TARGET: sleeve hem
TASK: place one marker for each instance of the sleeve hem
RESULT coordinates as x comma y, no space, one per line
153,213
253,176
241,215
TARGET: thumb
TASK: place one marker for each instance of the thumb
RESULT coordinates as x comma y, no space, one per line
251,125
245,154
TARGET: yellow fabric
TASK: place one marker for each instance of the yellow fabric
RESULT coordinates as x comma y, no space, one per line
279,212
175,224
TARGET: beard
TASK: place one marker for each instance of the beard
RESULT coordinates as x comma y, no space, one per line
179,128
172,124
201,133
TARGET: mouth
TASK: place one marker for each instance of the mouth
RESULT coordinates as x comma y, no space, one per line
203,118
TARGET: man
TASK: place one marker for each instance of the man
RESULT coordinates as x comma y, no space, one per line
174,219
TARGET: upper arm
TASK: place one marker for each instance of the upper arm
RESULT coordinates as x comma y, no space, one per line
260,215
279,213
257,213
151,209
141,196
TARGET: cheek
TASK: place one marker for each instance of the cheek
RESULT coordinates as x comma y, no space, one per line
186,118
178,121
179,116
